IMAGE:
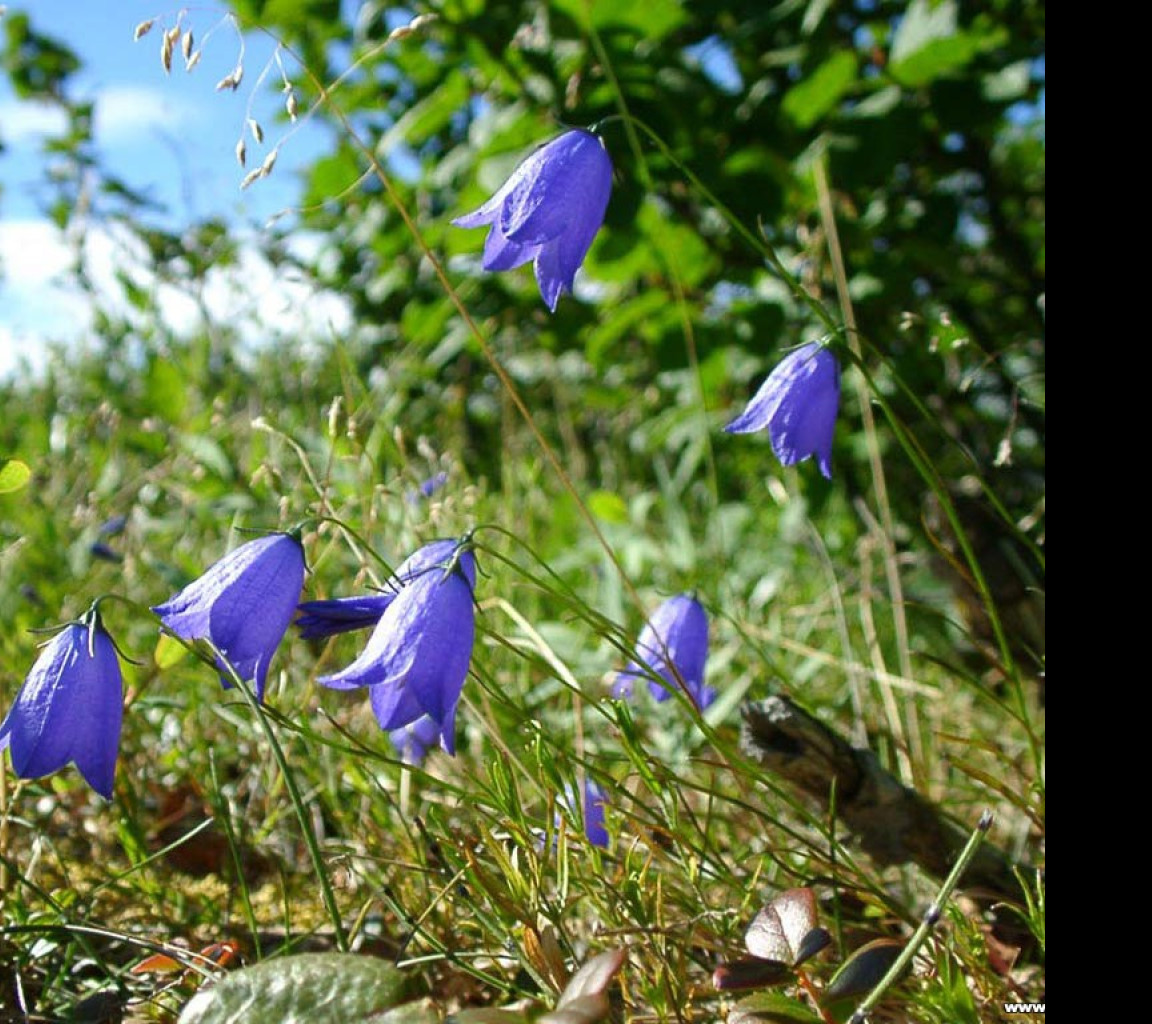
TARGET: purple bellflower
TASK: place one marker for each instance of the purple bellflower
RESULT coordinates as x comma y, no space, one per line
797,406
242,604
595,830
70,708
344,614
413,741
416,660
676,634
548,212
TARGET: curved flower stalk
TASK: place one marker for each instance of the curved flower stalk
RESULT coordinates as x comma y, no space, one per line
675,635
70,708
797,405
416,660
344,614
242,605
548,212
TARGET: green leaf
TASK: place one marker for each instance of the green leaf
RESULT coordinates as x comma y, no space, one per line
430,115
608,506
813,97
1009,83
321,988
421,1012
676,248
924,23
622,320
167,390
929,43
14,474
813,15
780,930
487,1015
332,176
652,19
296,15
863,970
169,651
208,453
771,1008
750,972
585,989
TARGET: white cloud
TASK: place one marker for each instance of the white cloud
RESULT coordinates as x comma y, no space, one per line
21,120
129,113
123,114
41,303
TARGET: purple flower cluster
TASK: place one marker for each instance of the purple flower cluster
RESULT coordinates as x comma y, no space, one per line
415,662
417,658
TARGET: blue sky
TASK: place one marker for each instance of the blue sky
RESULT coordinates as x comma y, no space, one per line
170,136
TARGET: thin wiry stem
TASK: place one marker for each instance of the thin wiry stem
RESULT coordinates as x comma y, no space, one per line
875,459
927,923
298,805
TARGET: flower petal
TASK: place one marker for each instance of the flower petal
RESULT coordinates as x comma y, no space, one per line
500,253
339,615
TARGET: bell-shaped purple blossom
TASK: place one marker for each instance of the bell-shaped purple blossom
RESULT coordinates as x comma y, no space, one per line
548,211
70,708
797,405
344,614
242,604
595,831
675,635
413,741
416,660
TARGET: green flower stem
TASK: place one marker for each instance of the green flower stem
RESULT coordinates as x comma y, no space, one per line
225,817
630,124
927,923
297,799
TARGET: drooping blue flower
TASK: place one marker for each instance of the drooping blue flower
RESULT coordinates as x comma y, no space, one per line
413,741
242,604
797,405
676,634
70,708
416,660
344,614
427,487
548,211
595,831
